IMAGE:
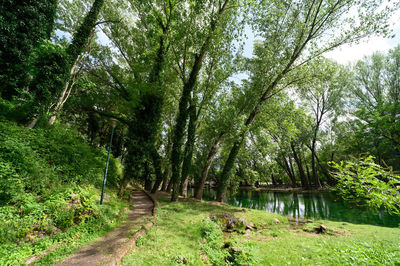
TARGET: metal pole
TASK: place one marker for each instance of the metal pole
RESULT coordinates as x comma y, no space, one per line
105,172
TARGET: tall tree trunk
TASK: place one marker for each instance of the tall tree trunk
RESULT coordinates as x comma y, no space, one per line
157,169
84,31
226,172
273,179
170,185
147,124
165,179
191,138
224,179
292,170
313,164
167,166
207,166
147,177
308,173
75,53
289,172
303,178
69,85
181,119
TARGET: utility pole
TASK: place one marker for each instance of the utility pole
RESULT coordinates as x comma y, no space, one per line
108,159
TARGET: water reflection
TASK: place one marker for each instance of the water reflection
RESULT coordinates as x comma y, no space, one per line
321,205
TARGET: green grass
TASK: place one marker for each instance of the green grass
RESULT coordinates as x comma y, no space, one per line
177,239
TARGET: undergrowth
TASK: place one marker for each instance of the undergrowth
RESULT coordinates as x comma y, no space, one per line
49,189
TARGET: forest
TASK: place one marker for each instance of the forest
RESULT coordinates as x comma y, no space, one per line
190,100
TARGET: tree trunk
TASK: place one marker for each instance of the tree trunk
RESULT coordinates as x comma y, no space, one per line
303,178
273,179
167,167
84,31
287,169
313,165
67,88
226,172
165,179
170,184
207,166
75,51
191,138
188,87
185,188
294,182
308,173
33,123
157,169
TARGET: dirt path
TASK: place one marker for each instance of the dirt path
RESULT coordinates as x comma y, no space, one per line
99,253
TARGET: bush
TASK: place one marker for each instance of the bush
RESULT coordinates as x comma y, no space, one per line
213,242
366,183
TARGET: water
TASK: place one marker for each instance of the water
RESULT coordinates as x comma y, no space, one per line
310,205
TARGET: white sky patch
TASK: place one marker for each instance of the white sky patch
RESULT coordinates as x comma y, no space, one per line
348,54
351,53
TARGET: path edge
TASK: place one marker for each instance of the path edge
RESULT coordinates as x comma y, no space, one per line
31,260
117,259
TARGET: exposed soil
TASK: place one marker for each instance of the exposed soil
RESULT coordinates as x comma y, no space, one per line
103,251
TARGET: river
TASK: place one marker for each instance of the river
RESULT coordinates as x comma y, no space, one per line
307,205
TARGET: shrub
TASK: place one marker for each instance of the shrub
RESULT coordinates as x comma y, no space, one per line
366,183
224,254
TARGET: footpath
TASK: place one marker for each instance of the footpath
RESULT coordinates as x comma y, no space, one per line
110,249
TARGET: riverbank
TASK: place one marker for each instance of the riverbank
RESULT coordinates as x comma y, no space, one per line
185,233
285,188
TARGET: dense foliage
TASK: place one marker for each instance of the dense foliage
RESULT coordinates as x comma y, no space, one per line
47,182
23,25
364,182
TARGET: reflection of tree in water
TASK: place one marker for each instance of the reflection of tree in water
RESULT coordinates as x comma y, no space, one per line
322,205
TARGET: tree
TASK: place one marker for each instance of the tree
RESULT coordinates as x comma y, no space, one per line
74,52
23,26
294,34
215,10
323,94
376,107
364,182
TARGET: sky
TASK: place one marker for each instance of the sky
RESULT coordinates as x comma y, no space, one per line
349,54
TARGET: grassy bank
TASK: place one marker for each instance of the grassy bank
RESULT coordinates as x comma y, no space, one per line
49,192
184,234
